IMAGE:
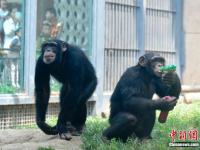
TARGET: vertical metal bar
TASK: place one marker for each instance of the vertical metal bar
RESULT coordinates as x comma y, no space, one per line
140,21
150,30
161,30
107,38
118,26
90,12
129,27
134,37
165,30
21,57
153,31
30,45
117,60
178,5
98,48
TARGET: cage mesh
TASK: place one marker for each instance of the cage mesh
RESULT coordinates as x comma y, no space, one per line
15,116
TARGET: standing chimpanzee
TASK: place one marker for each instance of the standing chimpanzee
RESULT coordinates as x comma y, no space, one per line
132,108
69,65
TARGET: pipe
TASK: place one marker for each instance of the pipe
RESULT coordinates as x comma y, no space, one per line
190,88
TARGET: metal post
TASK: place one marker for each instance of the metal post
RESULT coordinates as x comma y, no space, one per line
140,25
98,49
30,45
178,25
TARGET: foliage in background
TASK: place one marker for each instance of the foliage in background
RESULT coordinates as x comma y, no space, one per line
55,85
184,117
7,89
45,148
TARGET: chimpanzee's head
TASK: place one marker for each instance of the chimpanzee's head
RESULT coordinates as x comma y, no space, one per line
52,51
152,63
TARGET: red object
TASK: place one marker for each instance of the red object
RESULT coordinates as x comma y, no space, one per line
182,135
163,114
193,135
173,135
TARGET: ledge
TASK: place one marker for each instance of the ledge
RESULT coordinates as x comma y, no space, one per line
188,91
19,99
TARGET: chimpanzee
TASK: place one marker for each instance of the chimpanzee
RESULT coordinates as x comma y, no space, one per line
132,111
69,65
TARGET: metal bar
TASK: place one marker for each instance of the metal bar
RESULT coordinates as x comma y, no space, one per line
30,45
98,48
161,10
178,4
121,4
140,22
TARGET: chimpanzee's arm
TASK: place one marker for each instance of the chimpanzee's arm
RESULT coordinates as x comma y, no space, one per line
135,103
173,89
42,90
134,100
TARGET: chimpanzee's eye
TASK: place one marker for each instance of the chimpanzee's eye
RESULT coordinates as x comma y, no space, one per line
160,65
54,49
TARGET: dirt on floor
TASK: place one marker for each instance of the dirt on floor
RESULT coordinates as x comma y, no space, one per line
32,139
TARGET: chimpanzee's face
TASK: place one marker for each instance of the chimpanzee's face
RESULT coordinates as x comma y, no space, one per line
156,68
49,55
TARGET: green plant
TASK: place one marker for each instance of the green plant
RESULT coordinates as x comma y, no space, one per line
7,89
45,148
55,85
183,117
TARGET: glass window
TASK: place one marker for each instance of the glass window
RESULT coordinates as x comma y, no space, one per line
68,20
11,47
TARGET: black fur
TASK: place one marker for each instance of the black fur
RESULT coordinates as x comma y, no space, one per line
77,76
132,108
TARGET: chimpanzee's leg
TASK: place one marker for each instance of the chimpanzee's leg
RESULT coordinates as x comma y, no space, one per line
65,115
79,119
145,125
80,115
121,126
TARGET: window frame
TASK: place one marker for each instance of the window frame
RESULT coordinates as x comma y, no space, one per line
28,47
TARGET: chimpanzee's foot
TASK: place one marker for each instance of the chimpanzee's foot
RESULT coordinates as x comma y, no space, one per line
74,131
77,130
64,133
65,136
80,129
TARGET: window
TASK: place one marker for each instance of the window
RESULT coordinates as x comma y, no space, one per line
11,46
135,26
66,20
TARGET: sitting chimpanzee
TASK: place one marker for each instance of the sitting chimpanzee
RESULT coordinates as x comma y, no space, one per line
69,65
132,108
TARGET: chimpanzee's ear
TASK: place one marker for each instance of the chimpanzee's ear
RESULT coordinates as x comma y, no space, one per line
64,49
64,46
142,61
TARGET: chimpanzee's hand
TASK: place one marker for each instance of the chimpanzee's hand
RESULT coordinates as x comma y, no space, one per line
166,105
169,78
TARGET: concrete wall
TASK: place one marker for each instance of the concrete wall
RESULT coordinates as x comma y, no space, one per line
191,23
